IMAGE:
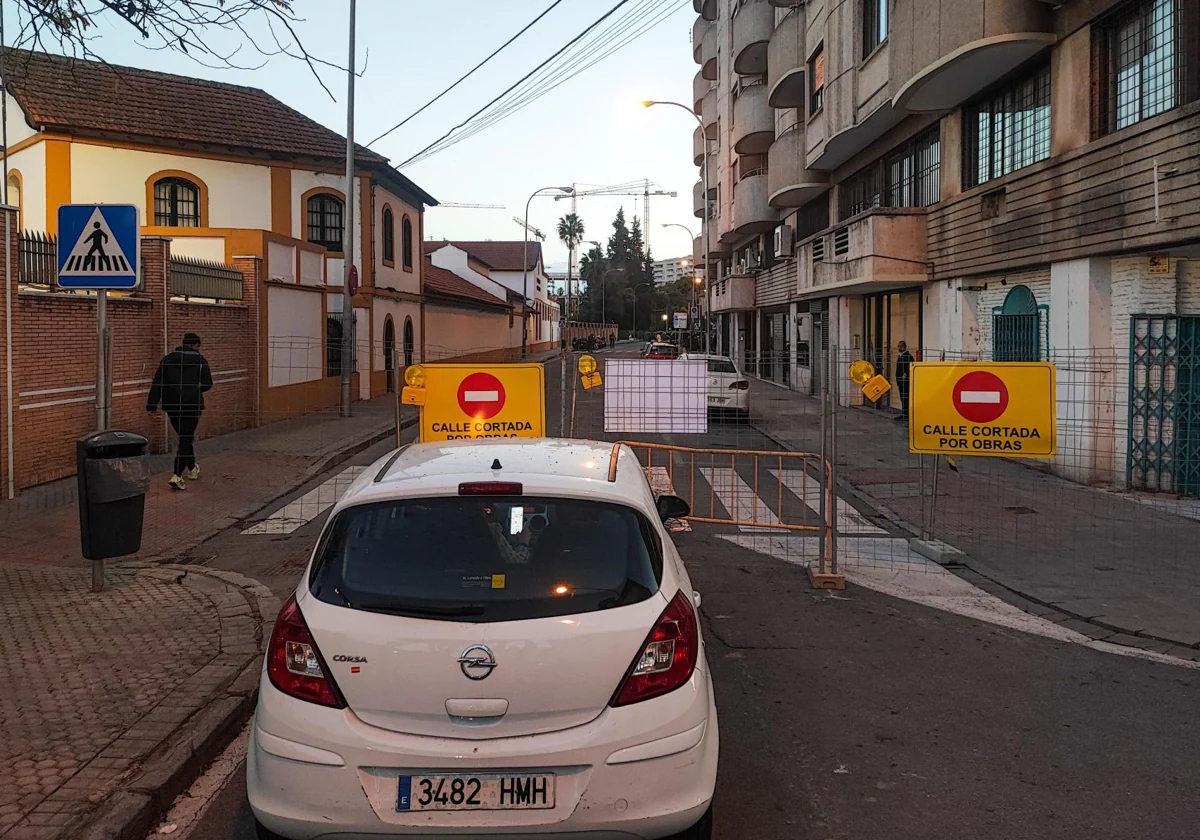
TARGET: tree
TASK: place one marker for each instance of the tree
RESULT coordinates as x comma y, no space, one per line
185,26
570,233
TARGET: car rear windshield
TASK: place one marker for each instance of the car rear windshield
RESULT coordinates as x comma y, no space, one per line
721,366
482,559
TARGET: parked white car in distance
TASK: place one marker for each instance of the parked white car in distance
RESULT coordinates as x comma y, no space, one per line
491,637
728,388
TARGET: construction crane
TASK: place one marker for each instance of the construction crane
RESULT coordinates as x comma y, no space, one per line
454,205
635,188
530,228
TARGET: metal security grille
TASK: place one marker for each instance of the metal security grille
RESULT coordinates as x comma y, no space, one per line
1164,404
908,176
1016,338
1008,131
37,259
1145,61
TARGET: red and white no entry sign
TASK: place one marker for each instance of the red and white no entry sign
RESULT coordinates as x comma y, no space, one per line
980,396
481,396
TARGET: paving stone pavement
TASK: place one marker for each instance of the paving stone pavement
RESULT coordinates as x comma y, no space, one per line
96,681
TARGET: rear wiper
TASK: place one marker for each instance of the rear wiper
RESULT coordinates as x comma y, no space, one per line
417,608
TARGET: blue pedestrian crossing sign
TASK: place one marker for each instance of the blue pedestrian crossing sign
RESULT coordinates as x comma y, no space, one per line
97,246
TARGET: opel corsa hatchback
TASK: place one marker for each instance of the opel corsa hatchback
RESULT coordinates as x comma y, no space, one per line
491,638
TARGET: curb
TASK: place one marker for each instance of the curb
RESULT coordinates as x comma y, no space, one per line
958,562
132,812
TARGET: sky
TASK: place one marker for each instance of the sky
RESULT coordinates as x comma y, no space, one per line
591,129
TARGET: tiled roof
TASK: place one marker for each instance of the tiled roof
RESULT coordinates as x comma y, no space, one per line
443,283
90,97
502,256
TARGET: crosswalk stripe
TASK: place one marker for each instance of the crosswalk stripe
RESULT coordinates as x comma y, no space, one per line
299,512
849,519
739,500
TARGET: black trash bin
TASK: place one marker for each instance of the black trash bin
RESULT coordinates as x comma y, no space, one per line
113,479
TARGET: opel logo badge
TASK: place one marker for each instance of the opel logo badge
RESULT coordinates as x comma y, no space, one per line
477,662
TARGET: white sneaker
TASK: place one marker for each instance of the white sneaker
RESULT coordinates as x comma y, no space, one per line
176,482
193,474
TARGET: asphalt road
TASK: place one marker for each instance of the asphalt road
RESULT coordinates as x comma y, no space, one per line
857,715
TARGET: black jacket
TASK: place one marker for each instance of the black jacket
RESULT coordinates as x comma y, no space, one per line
179,384
903,362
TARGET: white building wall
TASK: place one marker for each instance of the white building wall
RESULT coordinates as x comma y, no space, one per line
239,194
295,336
1188,293
17,128
455,260
998,287
31,161
211,248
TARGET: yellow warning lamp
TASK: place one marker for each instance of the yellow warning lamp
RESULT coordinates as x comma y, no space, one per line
587,364
414,376
861,372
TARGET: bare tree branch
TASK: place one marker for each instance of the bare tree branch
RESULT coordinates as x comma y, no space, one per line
185,26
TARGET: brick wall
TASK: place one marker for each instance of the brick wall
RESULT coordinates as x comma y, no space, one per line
54,363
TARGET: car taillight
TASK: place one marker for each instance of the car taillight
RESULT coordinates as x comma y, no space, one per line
740,385
667,658
295,665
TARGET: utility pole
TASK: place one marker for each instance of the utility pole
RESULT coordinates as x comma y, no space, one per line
348,237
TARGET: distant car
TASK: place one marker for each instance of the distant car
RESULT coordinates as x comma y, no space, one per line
491,638
728,388
659,350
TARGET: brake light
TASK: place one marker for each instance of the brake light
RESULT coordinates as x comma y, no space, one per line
668,657
740,385
295,665
490,488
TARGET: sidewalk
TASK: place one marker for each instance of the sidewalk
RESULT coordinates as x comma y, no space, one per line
113,701
1114,566
241,472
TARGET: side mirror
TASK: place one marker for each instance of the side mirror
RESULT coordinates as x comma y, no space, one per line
672,507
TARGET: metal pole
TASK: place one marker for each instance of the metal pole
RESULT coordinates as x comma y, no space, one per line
525,284
348,244
3,105
705,222
937,460
834,389
101,361
822,503
562,394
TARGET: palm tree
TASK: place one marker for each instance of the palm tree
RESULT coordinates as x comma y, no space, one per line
570,232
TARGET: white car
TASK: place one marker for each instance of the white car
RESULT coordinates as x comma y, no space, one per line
728,388
492,637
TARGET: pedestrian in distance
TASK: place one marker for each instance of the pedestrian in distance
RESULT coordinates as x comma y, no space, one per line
179,384
903,366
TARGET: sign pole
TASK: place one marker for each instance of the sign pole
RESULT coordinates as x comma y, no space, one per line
937,460
101,360
834,390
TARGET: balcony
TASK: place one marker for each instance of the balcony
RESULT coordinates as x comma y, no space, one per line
752,28
698,200
709,113
732,293
752,213
785,62
875,251
707,9
789,184
698,29
700,88
978,41
699,144
709,50
753,120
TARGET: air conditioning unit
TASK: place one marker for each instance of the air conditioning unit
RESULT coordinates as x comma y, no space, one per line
754,259
784,241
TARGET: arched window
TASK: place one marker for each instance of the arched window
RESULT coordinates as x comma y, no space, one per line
1016,327
408,343
407,243
325,221
14,195
389,237
176,203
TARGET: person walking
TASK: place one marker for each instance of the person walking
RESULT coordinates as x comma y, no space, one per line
179,384
903,365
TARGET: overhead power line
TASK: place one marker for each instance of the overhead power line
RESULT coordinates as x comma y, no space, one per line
469,73
560,71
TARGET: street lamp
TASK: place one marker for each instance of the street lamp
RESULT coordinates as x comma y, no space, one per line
603,311
705,220
525,270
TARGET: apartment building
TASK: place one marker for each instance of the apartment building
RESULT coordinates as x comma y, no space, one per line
668,271
1003,179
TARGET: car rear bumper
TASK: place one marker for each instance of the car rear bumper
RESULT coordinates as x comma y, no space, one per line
641,771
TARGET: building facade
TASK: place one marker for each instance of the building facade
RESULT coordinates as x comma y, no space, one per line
984,179
668,271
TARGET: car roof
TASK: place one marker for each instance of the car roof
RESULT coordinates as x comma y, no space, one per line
543,465
706,356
